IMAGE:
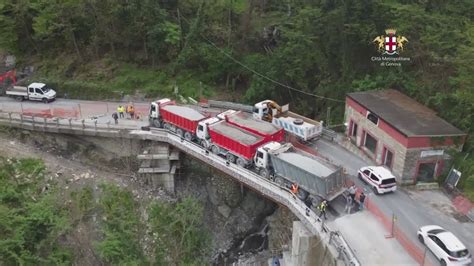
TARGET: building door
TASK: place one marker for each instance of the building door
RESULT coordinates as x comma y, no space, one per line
387,158
354,130
426,172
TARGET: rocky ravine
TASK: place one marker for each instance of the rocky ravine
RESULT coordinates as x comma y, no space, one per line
241,222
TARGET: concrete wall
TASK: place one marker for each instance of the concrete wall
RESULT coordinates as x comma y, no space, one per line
104,152
308,249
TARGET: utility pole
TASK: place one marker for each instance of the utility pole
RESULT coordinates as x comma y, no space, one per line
392,233
328,116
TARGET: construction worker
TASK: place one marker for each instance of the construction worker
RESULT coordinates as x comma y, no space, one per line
294,188
349,203
121,110
361,201
115,117
322,208
352,192
131,111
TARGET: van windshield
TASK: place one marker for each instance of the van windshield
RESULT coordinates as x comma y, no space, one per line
45,89
388,181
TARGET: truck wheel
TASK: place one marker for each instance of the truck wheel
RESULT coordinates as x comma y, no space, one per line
156,123
230,158
188,136
166,126
263,172
179,132
279,180
203,143
241,162
215,149
19,98
45,100
302,194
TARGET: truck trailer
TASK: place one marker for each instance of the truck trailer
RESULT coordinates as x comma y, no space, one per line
298,125
286,166
179,119
236,144
246,121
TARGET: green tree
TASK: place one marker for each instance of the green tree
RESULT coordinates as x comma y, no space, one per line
179,235
121,227
31,217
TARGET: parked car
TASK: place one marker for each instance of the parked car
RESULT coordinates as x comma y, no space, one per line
444,245
380,179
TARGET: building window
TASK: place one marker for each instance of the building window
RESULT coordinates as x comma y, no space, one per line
353,132
387,158
373,118
370,143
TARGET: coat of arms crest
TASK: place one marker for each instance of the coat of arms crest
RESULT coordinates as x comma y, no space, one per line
390,44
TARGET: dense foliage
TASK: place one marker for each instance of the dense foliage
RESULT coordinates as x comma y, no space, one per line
180,239
32,219
121,227
37,220
177,230
322,47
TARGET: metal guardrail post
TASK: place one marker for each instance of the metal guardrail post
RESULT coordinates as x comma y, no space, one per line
33,121
21,119
57,122
80,109
70,125
44,123
10,116
95,125
83,124
108,124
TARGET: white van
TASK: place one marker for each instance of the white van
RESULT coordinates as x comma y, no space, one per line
380,179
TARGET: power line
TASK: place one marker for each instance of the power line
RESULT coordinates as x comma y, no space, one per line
262,75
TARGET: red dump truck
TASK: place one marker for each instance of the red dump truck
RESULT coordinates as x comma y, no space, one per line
180,119
246,121
236,144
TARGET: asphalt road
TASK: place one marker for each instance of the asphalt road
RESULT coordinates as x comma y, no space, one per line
411,212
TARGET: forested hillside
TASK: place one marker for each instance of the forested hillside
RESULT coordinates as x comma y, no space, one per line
45,222
309,53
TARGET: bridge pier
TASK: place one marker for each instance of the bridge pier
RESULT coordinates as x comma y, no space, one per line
158,164
308,249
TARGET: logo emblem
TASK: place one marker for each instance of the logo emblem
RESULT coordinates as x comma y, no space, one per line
390,44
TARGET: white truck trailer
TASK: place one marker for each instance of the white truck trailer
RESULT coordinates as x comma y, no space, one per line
34,92
298,125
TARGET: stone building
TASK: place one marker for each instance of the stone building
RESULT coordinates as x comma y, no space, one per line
403,135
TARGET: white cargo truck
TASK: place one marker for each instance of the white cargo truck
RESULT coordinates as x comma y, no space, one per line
298,125
34,92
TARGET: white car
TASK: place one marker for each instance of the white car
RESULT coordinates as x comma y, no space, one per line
444,245
380,179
